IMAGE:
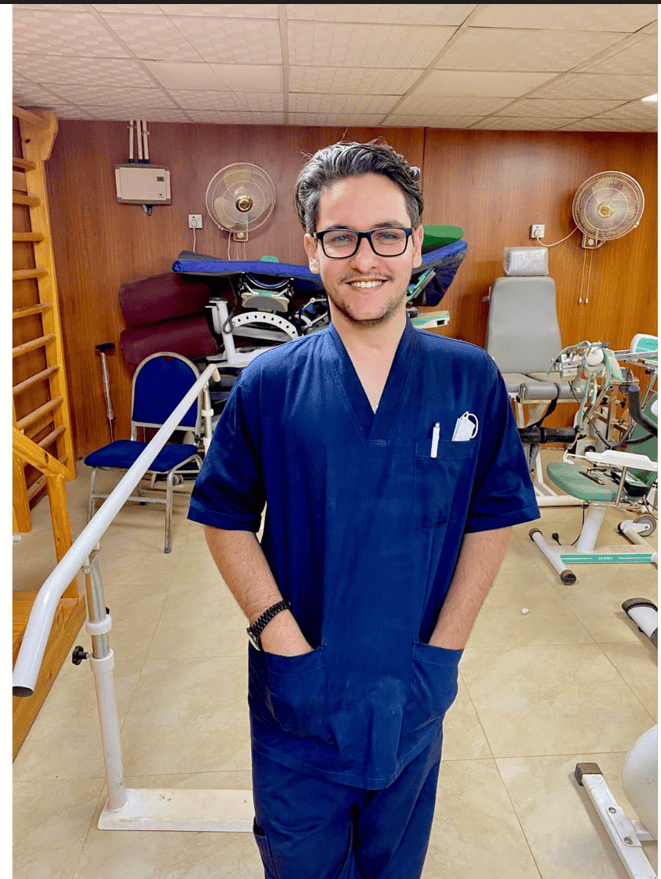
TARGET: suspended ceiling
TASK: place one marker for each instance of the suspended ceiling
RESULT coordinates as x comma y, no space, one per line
544,67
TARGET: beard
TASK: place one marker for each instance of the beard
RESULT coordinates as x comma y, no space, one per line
385,313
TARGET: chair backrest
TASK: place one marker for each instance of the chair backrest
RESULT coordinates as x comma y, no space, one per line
647,447
160,383
523,333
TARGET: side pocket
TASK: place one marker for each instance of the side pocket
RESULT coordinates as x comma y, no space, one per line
437,481
264,851
297,692
434,685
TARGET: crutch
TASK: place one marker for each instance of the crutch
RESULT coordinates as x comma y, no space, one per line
107,346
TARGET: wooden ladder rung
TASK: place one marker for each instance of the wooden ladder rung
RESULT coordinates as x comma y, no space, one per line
32,345
39,413
52,436
34,379
27,236
25,164
28,310
26,274
32,201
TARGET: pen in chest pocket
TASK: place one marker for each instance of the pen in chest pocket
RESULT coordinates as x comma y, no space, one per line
436,432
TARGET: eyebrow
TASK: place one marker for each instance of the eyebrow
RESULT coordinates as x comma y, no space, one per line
388,224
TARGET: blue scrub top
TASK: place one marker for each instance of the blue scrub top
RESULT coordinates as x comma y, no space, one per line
362,532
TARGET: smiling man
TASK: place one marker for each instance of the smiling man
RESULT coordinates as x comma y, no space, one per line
392,472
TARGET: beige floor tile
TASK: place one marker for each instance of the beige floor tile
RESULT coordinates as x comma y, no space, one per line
561,825
188,715
551,700
51,821
522,609
463,736
65,739
201,621
476,832
637,664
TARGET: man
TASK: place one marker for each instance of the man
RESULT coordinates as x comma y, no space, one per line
392,473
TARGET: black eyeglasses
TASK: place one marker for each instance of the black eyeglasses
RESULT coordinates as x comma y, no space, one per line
343,243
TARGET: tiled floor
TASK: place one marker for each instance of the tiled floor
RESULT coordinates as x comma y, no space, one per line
570,680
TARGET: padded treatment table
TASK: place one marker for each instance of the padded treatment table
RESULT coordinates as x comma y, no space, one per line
445,260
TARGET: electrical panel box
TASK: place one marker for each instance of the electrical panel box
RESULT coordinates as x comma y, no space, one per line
142,184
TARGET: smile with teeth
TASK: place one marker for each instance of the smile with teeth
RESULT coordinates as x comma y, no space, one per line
365,285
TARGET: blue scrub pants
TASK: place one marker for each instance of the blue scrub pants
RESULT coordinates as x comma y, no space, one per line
308,828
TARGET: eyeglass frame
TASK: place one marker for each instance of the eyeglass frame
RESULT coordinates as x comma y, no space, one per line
319,236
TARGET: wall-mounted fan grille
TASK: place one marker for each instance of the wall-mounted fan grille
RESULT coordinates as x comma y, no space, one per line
607,206
240,198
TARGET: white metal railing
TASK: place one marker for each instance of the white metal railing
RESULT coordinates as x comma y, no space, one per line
125,809
45,606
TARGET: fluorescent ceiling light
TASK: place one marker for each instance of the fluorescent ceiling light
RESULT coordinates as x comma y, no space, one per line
650,98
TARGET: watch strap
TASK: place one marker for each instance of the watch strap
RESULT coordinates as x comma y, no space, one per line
256,629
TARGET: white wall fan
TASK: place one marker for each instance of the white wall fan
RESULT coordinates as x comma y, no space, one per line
607,205
240,198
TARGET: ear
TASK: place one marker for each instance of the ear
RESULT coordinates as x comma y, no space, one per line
416,238
311,249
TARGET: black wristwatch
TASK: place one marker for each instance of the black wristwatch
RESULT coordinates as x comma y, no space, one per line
255,631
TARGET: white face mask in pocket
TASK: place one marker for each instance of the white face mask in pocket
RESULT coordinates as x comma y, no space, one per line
466,428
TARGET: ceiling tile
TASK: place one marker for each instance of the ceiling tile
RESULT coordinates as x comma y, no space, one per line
351,80
549,107
637,58
221,117
373,45
29,93
476,83
63,33
342,120
335,104
429,121
389,13
494,123
66,70
501,49
89,95
198,100
232,40
596,86
450,105
624,17
128,8
120,114
222,10
182,75
603,123
248,77
152,37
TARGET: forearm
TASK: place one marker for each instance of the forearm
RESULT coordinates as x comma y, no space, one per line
481,555
244,568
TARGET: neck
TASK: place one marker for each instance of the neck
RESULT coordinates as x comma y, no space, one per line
371,349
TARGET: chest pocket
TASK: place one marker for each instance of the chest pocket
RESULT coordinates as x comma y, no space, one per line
442,484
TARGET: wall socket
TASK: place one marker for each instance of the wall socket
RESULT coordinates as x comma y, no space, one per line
195,221
537,230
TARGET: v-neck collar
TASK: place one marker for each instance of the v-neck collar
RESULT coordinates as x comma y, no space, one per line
376,426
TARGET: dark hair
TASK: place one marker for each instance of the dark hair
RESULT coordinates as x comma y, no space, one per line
348,160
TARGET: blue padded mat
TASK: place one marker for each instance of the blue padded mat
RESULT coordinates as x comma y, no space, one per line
446,260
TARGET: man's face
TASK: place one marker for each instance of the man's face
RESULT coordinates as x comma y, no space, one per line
366,288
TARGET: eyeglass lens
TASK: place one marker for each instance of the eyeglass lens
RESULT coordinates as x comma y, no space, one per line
385,242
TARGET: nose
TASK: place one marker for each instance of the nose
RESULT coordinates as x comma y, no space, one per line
364,258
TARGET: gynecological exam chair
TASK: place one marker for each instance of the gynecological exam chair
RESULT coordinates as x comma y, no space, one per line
612,462
523,337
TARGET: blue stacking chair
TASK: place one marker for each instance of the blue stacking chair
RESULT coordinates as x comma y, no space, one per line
160,383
